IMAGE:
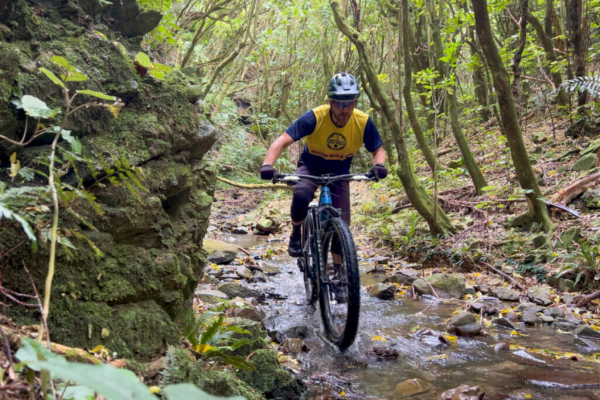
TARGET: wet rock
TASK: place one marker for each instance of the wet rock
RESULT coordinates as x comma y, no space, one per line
546,319
501,347
485,289
254,267
236,290
253,314
554,312
240,230
446,285
469,289
512,316
292,346
464,392
530,318
589,345
412,387
505,323
382,291
259,277
549,378
383,353
567,298
210,296
506,294
507,269
586,331
563,324
406,277
229,277
477,306
534,309
267,225
526,305
243,272
271,270
573,319
464,324
538,137
591,199
219,252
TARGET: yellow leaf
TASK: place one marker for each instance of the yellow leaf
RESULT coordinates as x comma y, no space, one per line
451,338
343,394
561,331
15,165
505,311
100,350
551,173
380,338
478,274
515,333
105,333
202,348
383,198
527,396
215,266
114,108
154,389
468,297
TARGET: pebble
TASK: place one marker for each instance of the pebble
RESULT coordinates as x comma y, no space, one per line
501,347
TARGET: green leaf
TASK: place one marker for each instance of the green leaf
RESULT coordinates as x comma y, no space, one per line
211,330
184,391
61,61
160,75
143,60
112,383
488,188
53,77
8,214
36,108
74,141
74,76
99,95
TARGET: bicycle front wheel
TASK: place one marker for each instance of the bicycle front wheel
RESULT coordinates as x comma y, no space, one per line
339,298
308,262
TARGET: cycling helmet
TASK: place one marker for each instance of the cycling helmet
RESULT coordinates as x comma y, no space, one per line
343,87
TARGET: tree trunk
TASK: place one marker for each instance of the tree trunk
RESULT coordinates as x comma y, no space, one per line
537,208
468,159
384,125
546,42
575,8
414,191
516,65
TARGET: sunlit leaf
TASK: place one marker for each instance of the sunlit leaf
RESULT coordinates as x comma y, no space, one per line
53,77
36,108
15,165
99,95
380,338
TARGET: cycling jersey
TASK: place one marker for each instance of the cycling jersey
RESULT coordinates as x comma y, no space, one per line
329,149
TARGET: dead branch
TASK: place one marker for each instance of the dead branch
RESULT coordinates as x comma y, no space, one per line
508,277
564,196
253,186
243,250
586,299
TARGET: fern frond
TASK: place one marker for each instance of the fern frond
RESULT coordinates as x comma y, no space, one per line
590,84
212,330
8,214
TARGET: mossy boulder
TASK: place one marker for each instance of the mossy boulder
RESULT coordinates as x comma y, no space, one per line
269,378
220,252
585,162
148,257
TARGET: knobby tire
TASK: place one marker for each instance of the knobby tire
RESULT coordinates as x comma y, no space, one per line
337,227
310,283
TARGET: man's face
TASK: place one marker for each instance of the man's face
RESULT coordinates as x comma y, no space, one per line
342,110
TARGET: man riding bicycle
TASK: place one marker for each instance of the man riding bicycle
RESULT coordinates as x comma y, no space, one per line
334,133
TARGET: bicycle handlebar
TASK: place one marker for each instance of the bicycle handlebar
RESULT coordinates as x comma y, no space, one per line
322,180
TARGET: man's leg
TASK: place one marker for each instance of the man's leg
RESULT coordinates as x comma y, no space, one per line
304,192
340,198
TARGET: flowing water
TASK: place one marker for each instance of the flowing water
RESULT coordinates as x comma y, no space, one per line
516,374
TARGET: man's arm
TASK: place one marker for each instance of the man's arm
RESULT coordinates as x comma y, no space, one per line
378,156
277,147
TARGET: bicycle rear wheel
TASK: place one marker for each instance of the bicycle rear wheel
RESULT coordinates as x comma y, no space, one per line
307,262
339,298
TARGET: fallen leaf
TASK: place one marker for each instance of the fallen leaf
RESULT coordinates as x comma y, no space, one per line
380,338
154,389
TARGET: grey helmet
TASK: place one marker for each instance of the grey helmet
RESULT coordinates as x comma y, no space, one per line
343,87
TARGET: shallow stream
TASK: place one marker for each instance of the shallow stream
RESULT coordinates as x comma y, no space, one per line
516,374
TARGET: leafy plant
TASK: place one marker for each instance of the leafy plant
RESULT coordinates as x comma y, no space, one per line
104,379
588,268
156,70
590,84
532,269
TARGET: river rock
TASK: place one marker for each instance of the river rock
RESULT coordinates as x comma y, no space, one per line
546,319
495,281
210,296
563,324
505,323
567,298
446,285
589,345
259,277
219,252
501,347
240,230
476,306
406,277
534,309
253,314
530,318
271,270
464,324
554,312
464,392
469,289
586,331
506,294
412,387
292,346
236,290
243,272
539,296
266,226
382,291
549,378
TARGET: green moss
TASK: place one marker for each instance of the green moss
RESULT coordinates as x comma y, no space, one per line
532,270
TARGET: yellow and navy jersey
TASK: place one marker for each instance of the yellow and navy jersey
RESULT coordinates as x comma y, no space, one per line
329,149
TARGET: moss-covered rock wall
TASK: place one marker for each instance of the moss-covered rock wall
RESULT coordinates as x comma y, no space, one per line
152,244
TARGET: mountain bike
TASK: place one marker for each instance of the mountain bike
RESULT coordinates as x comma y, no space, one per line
329,262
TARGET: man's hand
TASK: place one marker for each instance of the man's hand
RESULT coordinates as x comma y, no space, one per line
379,171
267,172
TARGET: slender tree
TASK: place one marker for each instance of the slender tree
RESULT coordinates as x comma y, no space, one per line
537,210
419,198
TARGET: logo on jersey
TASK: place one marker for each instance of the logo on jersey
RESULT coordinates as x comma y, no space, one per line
336,141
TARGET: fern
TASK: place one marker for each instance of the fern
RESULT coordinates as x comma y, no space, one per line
590,84
212,330
6,213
